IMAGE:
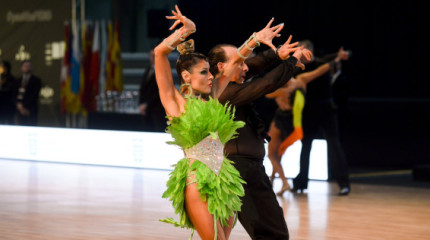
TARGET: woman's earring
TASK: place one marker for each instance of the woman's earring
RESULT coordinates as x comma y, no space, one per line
184,88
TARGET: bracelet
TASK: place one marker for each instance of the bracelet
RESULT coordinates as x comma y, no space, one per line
185,35
248,47
277,50
240,55
247,41
254,36
168,46
175,39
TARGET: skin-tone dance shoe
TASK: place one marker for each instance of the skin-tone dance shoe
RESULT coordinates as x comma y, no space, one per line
285,187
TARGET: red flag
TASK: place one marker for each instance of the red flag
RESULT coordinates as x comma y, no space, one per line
92,76
86,60
109,60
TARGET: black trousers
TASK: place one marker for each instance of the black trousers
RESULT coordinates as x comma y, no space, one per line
261,215
324,119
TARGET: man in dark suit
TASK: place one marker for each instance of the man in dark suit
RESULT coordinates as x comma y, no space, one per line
320,114
27,98
149,101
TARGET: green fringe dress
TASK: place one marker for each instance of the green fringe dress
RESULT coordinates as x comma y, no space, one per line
222,191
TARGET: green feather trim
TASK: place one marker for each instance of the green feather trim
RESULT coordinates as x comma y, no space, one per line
222,191
201,119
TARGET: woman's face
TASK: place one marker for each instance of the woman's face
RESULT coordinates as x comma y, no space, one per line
201,78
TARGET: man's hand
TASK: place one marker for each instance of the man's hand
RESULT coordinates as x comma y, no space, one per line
267,34
342,55
287,48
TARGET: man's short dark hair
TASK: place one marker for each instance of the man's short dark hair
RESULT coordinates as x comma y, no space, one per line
216,55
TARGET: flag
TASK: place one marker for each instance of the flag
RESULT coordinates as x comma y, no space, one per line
74,98
114,76
94,71
91,69
109,60
75,66
118,81
103,55
86,38
65,66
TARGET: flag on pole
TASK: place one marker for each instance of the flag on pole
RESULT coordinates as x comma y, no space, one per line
94,70
116,51
91,69
84,66
114,76
73,104
103,55
109,60
65,66
75,66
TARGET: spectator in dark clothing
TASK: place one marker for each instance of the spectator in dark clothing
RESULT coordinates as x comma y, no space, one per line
149,100
7,93
320,113
27,99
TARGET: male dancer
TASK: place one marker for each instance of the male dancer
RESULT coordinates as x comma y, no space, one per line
261,215
320,113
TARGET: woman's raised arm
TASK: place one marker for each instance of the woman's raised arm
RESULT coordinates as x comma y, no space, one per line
170,97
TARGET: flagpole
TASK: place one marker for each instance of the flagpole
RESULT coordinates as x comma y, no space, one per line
73,11
83,117
69,115
82,11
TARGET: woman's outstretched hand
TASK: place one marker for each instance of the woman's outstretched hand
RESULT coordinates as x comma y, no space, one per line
189,25
267,34
302,53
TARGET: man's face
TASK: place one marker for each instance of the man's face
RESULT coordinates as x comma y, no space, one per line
26,67
240,73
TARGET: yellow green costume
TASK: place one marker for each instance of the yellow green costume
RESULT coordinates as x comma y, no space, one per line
200,131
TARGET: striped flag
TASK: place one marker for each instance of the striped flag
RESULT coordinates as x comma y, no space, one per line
75,63
65,66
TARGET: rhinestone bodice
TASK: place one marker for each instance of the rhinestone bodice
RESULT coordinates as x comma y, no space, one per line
209,151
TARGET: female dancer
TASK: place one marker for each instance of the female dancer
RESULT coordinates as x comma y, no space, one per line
204,187
286,126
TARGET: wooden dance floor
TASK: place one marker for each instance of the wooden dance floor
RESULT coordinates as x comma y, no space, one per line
65,201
